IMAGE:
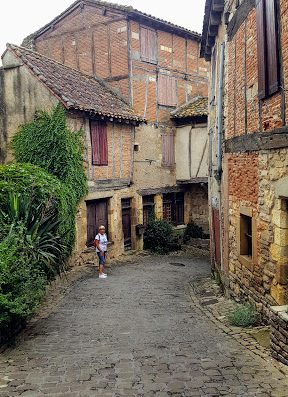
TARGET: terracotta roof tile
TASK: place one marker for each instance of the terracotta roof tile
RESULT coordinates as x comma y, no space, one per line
197,107
74,89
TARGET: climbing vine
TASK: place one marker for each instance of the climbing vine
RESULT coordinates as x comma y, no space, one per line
47,142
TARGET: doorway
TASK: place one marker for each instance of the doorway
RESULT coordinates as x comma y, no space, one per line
126,222
97,215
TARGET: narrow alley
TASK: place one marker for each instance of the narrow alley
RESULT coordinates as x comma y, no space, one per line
136,333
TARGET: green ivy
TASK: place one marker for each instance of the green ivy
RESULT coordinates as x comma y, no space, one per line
47,142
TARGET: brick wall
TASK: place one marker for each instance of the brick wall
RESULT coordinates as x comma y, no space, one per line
98,43
245,113
91,42
243,177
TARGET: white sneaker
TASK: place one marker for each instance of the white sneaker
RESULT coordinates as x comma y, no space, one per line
103,275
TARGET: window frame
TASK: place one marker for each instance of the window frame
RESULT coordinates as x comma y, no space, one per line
148,204
174,201
247,258
102,155
142,57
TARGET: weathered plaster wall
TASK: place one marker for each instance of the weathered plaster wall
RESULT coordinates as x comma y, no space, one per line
193,162
23,95
148,169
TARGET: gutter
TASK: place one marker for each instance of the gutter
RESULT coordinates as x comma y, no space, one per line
220,113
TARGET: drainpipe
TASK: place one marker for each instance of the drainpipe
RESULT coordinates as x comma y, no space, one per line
220,113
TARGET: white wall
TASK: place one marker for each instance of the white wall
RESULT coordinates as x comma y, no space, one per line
191,151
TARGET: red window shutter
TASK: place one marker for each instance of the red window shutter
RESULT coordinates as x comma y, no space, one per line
103,144
272,47
99,143
261,48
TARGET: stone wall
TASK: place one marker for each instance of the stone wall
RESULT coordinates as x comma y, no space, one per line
279,333
265,282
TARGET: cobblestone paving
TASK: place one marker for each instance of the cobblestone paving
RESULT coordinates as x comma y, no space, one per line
136,333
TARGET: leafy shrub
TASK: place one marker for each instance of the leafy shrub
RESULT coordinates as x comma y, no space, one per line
22,282
194,231
43,191
47,142
39,231
243,316
158,236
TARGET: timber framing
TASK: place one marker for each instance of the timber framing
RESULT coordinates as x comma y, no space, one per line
212,19
123,11
239,17
255,142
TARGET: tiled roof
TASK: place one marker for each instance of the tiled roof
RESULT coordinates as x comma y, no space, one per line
74,89
197,107
131,12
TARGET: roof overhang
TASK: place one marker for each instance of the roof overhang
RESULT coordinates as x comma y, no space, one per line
212,19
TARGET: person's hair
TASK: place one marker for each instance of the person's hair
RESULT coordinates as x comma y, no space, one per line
101,227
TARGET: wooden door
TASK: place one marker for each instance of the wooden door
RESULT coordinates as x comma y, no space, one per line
97,215
217,236
126,223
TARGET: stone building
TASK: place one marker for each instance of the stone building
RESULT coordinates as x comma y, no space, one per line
32,82
155,68
246,44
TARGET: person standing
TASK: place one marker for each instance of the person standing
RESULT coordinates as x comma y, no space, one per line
101,243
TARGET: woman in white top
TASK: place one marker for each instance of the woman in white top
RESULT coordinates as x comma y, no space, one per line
101,242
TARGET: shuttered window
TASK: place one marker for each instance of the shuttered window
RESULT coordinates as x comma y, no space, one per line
167,91
267,47
173,208
148,45
168,156
99,145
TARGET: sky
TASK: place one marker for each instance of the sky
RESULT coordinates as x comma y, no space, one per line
19,18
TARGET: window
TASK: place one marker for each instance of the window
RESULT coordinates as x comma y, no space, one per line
167,91
168,155
99,145
173,208
148,45
267,45
246,236
148,208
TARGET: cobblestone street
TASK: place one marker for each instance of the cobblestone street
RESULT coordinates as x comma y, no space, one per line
136,333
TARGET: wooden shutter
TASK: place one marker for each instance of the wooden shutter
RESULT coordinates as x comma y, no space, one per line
167,93
91,223
164,149
148,45
272,47
261,48
99,143
144,44
168,149
152,46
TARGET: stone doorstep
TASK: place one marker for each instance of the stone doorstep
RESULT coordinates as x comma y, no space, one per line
242,335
